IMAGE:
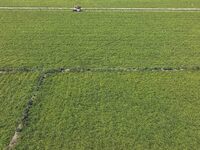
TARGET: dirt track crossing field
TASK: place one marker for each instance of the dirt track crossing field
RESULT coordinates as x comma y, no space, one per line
107,9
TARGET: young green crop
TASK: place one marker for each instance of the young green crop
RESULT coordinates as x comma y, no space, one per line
15,90
116,111
52,39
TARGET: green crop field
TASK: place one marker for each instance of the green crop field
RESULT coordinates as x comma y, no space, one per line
116,80
116,110
63,39
15,89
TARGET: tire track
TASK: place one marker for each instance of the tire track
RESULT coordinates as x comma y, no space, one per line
25,115
106,69
106,9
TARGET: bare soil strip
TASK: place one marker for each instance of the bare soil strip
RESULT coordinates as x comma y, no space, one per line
34,8
107,9
143,9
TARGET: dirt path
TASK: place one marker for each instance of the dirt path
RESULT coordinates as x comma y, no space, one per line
107,9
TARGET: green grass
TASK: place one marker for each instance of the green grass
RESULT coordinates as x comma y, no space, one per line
15,89
116,111
103,3
50,39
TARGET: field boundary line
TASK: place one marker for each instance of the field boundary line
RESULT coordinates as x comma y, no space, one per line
26,112
104,9
35,8
121,69
101,69
143,9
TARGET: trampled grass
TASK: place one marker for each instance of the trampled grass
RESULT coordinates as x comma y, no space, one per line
64,39
15,89
103,3
116,111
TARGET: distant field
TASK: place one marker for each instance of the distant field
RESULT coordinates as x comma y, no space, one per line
103,3
48,39
116,111
15,89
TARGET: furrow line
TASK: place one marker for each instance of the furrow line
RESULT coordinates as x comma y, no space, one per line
118,69
25,115
114,69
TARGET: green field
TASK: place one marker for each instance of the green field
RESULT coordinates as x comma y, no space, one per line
15,90
103,3
100,80
64,39
116,111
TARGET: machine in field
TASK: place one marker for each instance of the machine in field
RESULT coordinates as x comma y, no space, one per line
77,9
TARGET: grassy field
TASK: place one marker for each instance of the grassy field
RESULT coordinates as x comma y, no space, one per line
116,111
15,89
103,3
63,39
99,107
